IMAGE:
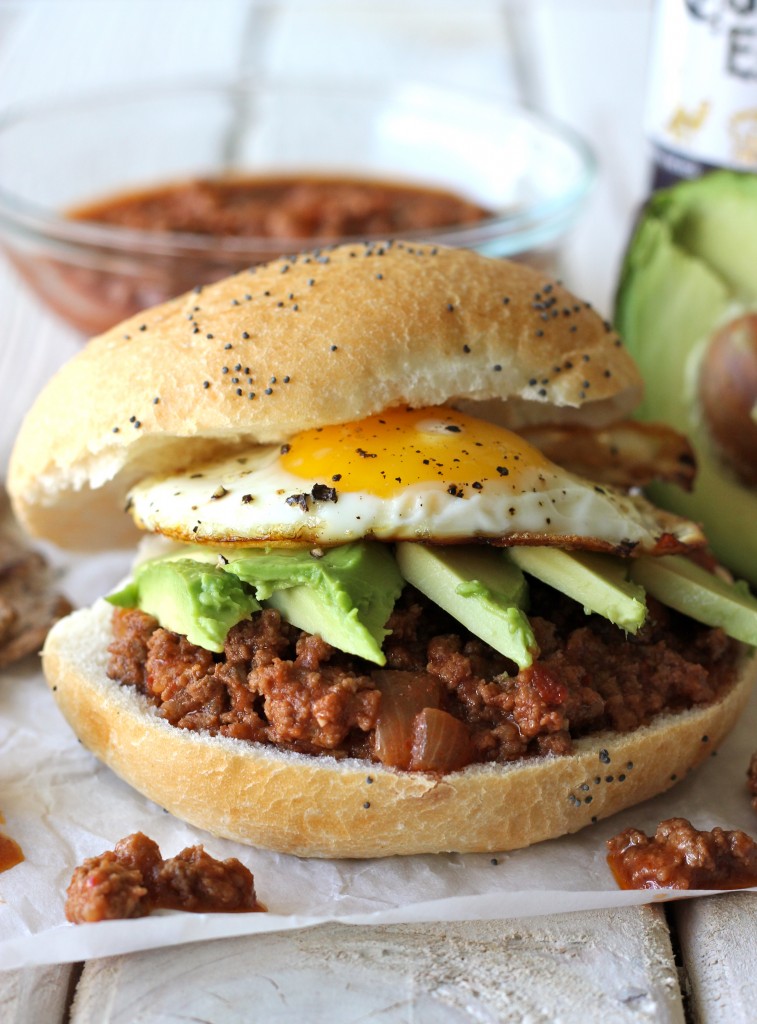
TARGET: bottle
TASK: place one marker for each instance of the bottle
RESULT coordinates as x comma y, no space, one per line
702,97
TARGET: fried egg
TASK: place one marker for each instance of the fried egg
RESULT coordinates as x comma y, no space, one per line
407,474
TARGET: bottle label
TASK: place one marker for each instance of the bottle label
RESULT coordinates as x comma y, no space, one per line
702,100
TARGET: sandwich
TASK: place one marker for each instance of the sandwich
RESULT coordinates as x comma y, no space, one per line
399,589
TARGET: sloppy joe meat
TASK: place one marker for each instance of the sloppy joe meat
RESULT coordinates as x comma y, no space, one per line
133,879
680,856
276,684
285,207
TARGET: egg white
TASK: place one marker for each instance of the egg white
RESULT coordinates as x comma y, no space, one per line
252,497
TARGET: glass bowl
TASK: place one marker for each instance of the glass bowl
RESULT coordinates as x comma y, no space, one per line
529,174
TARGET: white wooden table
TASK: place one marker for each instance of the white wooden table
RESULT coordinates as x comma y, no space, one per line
680,962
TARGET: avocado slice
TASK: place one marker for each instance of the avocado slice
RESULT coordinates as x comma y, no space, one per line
599,582
478,587
344,594
682,584
689,270
194,598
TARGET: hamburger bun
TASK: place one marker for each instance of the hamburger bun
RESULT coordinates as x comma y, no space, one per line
333,336
324,807
330,338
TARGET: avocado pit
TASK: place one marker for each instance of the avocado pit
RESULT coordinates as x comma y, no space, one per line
728,394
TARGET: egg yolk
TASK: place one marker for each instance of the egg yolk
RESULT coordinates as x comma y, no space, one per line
384,454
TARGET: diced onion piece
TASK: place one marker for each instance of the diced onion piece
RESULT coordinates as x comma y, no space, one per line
403,696
441,742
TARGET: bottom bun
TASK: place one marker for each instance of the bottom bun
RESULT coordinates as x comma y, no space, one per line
323,807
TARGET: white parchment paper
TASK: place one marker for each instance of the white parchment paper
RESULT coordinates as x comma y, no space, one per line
61,805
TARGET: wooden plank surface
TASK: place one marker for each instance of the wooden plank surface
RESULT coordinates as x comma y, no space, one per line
609,966
718,940
38,995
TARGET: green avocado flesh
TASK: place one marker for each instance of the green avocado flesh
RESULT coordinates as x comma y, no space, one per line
346,594
681,584
690,268
599,582
480,589
193,598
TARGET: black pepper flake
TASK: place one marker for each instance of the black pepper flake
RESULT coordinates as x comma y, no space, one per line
453,428
503,470
496,367
705,739
332,348
494,861
132,419
588,799
285,448
116,430
336,477
366,455
301,500
143,327
322,492
450,308
466,348
156,400
247,498
209,336
369,779
206,384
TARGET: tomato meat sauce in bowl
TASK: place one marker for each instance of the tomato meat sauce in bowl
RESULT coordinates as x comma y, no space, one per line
113,203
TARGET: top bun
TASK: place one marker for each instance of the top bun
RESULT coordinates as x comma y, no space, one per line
323,337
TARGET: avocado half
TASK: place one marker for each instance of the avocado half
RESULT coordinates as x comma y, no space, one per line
689,271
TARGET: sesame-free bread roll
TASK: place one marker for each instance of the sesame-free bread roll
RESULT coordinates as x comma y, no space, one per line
320,338
325,807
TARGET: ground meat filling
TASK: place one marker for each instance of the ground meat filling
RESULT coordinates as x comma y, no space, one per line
133,880
680,856
276,684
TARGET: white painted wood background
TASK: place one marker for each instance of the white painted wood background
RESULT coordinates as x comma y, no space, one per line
580,60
